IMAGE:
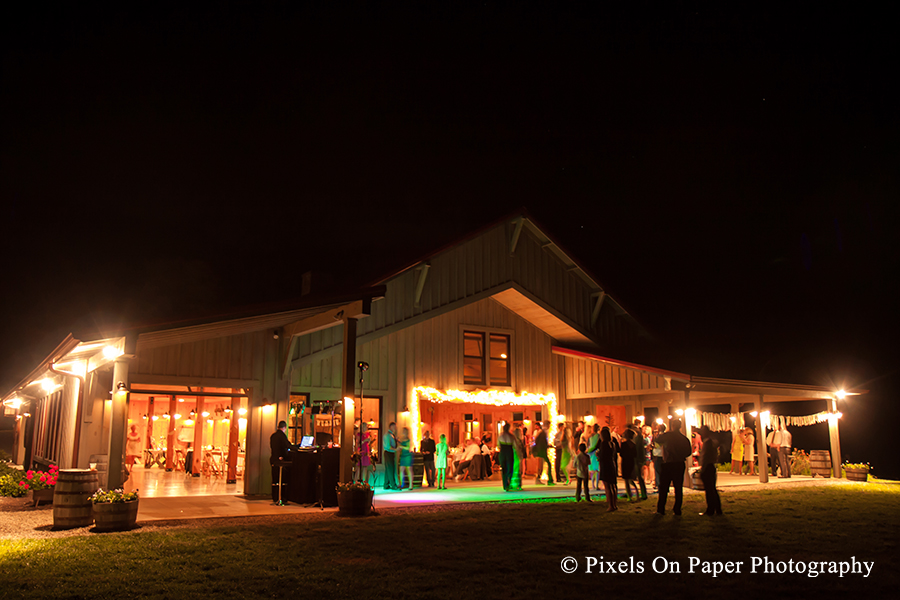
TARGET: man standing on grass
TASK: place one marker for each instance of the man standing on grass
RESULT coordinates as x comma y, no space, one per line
640,458
708,475
676,449
784,451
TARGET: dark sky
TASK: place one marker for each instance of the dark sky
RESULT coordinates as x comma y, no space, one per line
730,176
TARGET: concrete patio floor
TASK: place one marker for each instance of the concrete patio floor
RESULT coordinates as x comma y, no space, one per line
235,505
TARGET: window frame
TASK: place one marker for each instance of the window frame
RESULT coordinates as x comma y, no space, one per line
486,360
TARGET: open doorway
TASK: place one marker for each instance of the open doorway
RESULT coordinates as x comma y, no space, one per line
183,442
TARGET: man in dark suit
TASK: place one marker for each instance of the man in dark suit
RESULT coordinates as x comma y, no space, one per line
281,462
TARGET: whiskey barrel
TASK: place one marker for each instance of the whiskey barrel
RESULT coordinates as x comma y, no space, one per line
857,474
72,498
820,463
115,516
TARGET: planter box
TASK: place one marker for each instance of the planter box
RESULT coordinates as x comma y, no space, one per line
115,516
355,502
857,474
44,495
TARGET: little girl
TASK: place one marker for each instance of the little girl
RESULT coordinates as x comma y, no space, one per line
440,462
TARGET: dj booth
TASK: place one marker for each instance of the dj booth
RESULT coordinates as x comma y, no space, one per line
312,470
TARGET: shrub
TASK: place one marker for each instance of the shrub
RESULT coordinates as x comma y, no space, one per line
10,485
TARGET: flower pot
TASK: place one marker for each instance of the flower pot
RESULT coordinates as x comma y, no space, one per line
857,474
355,502
115,516
44,495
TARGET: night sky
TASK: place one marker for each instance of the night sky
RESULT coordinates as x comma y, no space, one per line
730,177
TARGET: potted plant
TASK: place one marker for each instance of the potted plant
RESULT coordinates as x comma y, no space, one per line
856,471
114,510
41,483
355,498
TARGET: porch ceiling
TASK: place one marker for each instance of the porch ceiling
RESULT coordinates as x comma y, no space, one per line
541,317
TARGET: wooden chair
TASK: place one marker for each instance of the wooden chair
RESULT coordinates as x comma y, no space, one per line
179,459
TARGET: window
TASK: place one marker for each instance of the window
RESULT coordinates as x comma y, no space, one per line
491,367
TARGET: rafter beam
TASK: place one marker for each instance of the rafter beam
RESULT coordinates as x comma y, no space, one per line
517,223
420,284
598,299
329,318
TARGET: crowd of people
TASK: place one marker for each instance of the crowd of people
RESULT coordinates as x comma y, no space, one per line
593,457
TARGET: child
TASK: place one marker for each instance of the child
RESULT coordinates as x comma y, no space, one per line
440,462
582,467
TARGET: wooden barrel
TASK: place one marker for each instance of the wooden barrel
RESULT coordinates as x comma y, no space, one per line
418,469
820,463
857,474
72,498
115,516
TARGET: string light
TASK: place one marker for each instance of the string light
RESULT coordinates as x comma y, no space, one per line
483,397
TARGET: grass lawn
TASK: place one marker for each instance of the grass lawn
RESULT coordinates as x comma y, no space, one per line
487,551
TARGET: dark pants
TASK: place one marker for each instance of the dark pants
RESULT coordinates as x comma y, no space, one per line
285,478
390,471
556,460
784,461
773,460
506,464
640,480
429,471
672,474
708,476
582,481
462,466
542,462
657,469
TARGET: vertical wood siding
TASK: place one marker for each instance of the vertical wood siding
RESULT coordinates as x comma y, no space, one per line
427,353
231,357
586,377
473,267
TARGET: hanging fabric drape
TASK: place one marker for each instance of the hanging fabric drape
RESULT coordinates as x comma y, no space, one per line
730,421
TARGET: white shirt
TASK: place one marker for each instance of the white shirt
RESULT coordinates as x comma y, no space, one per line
786,438
472,450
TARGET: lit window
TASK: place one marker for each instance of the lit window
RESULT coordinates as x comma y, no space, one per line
473,358
479,367
499,359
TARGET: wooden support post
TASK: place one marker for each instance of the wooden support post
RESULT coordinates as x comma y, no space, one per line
199,424
234,441
762,457
151,408
835,441
117,423
348,390
686,431
170,437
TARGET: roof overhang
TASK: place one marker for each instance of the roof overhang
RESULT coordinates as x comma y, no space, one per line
71,357
671,375
541,316
711,388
